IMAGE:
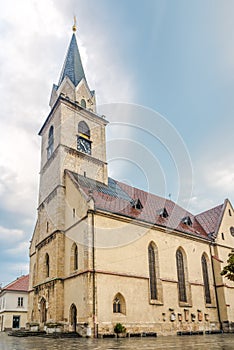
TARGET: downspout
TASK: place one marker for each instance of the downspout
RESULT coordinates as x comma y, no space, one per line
94,277
216,293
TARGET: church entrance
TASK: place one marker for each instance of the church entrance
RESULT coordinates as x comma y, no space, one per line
43,310
73,317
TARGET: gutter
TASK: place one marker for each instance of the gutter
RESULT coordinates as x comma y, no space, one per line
215,287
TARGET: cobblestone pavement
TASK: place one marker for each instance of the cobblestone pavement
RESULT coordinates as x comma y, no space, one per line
205,342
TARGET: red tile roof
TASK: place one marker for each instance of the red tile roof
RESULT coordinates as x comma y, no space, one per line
117,198
20,284
209,219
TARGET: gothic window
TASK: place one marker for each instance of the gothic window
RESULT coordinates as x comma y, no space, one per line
83,129
152,272
206,279
119,305
73,317
83,103
74,257
43,310
50,148
47,265
181,276
34,275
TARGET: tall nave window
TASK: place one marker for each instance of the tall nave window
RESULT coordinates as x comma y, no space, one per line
206,279
152,272
181,276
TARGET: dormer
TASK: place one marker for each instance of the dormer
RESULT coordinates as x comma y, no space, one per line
162,213
136,204
187,221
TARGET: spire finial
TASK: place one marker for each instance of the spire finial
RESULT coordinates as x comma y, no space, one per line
74,25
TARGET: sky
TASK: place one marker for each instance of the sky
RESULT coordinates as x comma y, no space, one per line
163,72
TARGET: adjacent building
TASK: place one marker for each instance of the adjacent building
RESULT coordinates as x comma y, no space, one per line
14,304
104,252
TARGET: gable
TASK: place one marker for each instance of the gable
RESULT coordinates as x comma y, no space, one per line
225,230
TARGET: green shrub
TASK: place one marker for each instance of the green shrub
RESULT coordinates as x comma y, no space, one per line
119,328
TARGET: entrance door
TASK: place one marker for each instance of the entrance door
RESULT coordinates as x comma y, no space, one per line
16,322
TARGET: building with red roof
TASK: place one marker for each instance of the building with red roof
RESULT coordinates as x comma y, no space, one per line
104,252
14,304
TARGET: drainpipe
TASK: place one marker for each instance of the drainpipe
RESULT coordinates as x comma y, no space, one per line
94,277
216,293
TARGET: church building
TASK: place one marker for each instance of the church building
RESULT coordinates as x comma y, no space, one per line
104,252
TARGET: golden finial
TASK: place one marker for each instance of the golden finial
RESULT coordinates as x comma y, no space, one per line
74,25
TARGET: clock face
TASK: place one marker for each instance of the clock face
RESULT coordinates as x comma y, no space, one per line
83,145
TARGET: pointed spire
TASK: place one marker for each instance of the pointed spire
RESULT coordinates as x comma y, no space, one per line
73,67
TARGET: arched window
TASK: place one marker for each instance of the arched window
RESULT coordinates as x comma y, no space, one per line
50,148
119,305
181,276
83,129
34,275
152,272
74,258
73,317
47,265
43,310
206,279
83,103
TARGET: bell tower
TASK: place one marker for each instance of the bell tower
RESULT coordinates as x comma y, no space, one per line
73,135
72,138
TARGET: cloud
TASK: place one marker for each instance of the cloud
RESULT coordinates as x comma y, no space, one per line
8,236
34,39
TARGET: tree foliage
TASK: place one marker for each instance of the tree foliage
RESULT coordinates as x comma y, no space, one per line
228,270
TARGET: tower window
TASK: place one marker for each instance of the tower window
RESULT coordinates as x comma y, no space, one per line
50,148
47,265
230,213
83,129
74,258
83,103
222,235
